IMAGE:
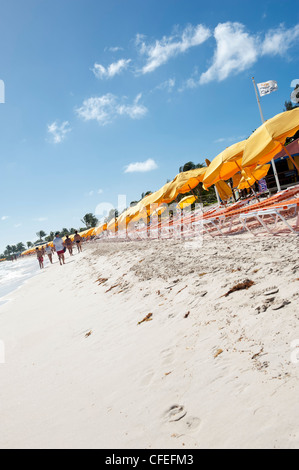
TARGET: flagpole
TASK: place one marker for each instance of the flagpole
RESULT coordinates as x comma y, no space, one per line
263,120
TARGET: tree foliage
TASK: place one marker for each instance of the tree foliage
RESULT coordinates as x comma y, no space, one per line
89,220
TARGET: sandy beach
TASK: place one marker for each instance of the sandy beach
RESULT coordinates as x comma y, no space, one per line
147,345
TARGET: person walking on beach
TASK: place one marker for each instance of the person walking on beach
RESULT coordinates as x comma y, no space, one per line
49,253
69,244
59,247
39,257
78,240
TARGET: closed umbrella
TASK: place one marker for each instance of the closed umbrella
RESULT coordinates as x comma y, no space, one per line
224,190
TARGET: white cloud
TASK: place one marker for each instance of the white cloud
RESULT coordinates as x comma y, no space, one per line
104,109
4,217
134,111
92,192
41,219
161,51
141,167
230,139
278,41
114,69
167,85
236,50
114,49
57,132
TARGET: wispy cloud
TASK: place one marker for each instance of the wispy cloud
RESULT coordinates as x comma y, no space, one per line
4,217
277,41
141,167
230,139
40,219
105,109
113,69
92,192
58,132
114,49
17,225
167,85
161,51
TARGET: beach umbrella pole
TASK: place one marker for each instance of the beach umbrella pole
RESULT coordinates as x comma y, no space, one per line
291,158
251,187
217,195
263,120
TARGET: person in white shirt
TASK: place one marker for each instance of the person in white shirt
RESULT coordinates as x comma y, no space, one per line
49,253
59,248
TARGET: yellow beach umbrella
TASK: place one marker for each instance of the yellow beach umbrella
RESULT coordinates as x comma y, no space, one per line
160,209
187,180
112,224
225,164
86,233
186,201
249,177
182,183
269,138
100,229
224,190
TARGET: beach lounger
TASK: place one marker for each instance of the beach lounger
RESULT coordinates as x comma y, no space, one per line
274,212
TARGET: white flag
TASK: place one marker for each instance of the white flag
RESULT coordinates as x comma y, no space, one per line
267,87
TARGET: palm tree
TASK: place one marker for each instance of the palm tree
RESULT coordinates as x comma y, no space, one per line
145,194
40,235
89,220
20,247
29,244
50,237
190,166
64,232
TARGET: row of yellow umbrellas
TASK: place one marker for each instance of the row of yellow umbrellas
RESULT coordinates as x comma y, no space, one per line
252,153
248,157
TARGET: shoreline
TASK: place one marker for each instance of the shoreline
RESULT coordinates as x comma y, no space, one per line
19,284
87,366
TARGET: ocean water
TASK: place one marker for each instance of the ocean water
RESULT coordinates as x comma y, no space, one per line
14,273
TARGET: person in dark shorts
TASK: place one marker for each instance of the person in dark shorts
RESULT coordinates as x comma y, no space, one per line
78,241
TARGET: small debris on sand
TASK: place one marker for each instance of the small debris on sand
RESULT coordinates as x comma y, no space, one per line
148,317
219,351
241,285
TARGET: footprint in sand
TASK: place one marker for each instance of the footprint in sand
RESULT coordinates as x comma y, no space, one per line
147,378
167,356
177,414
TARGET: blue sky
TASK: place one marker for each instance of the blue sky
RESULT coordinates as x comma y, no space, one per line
108,98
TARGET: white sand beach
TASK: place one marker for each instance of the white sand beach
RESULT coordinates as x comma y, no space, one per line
203,370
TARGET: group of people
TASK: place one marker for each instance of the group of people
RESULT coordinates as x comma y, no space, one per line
60,247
